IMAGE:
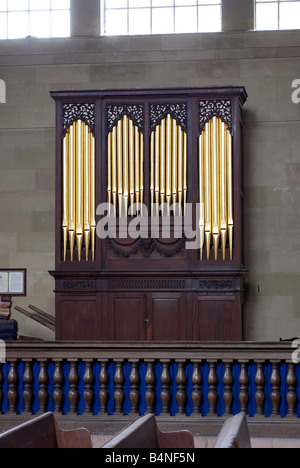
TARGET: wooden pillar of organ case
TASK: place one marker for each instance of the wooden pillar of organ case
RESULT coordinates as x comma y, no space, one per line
154,157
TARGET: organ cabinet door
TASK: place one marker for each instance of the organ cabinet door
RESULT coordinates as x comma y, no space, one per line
149,196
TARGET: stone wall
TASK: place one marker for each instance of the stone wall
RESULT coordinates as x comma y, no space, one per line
265,63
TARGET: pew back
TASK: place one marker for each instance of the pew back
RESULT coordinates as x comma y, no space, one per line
234,433
43,432
144,433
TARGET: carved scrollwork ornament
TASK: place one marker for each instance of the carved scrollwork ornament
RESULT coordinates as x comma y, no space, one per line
215,108
79,284
159,111
147,247
216,284
84,112
134,111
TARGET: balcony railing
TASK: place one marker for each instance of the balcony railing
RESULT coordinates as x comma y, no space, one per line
186,379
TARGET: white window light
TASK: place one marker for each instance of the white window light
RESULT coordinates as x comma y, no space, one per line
277,14
36,18
133,17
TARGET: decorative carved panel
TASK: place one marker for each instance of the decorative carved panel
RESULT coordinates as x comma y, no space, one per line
215,108
177,111
84,112
117,112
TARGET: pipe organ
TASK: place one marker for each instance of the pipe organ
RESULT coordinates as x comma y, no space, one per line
78,188
168,171
216,188
125,164
130,160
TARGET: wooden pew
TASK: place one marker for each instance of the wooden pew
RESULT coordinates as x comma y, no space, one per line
43,432
234,433
144,433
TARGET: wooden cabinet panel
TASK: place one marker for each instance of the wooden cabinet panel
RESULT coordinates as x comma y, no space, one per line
167,317
126,317
149,316
219,318
71,311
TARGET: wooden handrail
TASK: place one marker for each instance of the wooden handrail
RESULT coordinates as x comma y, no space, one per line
158,350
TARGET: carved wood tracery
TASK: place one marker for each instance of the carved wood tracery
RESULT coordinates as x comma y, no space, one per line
134,112
215,108
159,111
82,111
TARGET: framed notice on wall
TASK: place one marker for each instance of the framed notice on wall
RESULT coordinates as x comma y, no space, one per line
13,282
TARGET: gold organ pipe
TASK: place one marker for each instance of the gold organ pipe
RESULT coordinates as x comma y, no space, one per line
168,165
65,221
152,170
125,164
125,149
201,192
114,169
131,136
137,167
72,189
79,221
157,167
215,186
120,164
223,190
92,194
79,185
168,161
230,191
162,163
168,154
185,186
207,177
180,167
109,171
87,187
174,162
142,172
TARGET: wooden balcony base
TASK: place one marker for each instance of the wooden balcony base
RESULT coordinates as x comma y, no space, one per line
103,386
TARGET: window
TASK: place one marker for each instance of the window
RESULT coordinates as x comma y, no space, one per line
37,18
277,14
124,17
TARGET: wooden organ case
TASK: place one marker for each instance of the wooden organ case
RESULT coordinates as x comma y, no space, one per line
149,215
